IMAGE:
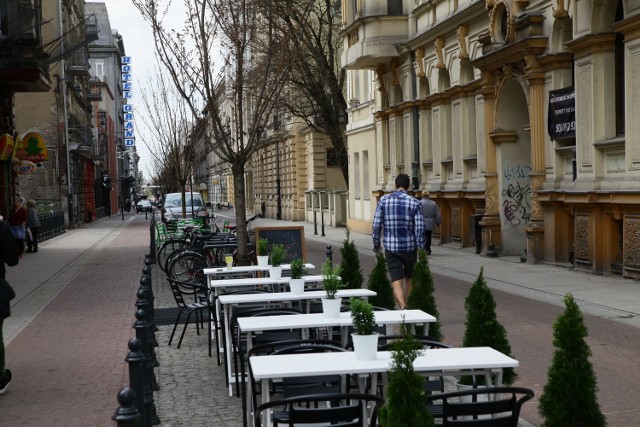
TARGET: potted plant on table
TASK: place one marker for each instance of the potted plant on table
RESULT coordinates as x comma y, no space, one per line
365,338
277,255
263,253
331,283
298,269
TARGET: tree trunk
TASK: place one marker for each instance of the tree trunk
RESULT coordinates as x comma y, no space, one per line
241,214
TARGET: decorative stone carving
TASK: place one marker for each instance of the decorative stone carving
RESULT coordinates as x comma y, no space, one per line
536,184
380,72
462,32
491,194
439,45
631,246
393,64
582,237
560,12
420,62
455,222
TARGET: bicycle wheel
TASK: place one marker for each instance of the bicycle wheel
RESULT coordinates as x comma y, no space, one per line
167,262
188,267
167,248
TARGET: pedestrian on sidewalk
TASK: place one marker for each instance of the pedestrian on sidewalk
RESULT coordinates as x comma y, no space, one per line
8,255
431,214
399,218
18,222
33,225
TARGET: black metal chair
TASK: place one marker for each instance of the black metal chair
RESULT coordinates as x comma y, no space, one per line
239,346
344,410
181,290
285,347
486,406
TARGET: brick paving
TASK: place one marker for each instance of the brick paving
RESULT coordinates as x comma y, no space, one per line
68,363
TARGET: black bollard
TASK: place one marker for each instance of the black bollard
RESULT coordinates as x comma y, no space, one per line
322,221
315,223
126,415
152,241
151,342
135,359
329,254
149,414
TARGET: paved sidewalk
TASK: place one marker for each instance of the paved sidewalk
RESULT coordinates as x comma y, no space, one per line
72,319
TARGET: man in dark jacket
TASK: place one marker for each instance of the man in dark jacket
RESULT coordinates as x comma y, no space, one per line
431,215
9,256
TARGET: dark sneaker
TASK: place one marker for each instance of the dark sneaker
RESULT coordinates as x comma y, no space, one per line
4,385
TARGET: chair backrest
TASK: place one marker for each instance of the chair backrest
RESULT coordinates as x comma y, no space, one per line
485,406
385,342
177,293
346,409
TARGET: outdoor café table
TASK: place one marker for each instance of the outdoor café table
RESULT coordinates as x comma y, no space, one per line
434,362
251,325
212,272
227,301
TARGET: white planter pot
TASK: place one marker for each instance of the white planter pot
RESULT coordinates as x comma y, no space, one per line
263,261
365,346
296,286
275,272
331,307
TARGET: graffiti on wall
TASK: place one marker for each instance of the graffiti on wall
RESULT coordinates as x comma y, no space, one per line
516,195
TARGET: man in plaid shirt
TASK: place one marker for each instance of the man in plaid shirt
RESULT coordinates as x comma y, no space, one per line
400,217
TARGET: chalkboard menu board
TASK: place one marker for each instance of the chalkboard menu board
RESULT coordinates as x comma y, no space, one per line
292,238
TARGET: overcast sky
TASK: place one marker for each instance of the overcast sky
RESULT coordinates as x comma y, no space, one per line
138,43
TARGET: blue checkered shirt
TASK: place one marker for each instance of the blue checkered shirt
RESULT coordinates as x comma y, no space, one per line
400,217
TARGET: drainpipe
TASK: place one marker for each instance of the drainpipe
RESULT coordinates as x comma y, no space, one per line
415,166
65,119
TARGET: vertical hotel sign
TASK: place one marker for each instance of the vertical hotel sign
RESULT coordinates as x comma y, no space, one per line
127,109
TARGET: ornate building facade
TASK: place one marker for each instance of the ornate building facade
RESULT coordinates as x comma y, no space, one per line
457,95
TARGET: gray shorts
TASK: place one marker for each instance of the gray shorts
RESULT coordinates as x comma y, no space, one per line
400,264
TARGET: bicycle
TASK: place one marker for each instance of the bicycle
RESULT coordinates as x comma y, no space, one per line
187,264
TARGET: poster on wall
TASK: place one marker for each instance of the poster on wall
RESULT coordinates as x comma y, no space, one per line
562,113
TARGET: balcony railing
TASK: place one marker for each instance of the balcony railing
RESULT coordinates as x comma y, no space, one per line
95,92
23,63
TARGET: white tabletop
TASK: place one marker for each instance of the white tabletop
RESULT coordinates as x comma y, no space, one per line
431,360
247,269
255,281
319,320
289,296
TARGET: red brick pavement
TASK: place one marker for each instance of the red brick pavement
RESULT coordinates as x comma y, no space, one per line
68,363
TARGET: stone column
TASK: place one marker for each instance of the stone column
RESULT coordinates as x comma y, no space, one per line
491,220
535,227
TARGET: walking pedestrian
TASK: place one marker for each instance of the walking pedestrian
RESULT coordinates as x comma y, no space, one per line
33,226
431,214
8,255
399,218
18,222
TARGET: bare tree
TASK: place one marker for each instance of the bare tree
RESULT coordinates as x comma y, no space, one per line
316,87
171,135
222,61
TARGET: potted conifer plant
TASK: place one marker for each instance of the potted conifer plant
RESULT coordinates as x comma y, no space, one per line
570,395
298,269
351,272
263,253
277,255
404,395
331,283
421,296
379,283
365,337
482,328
